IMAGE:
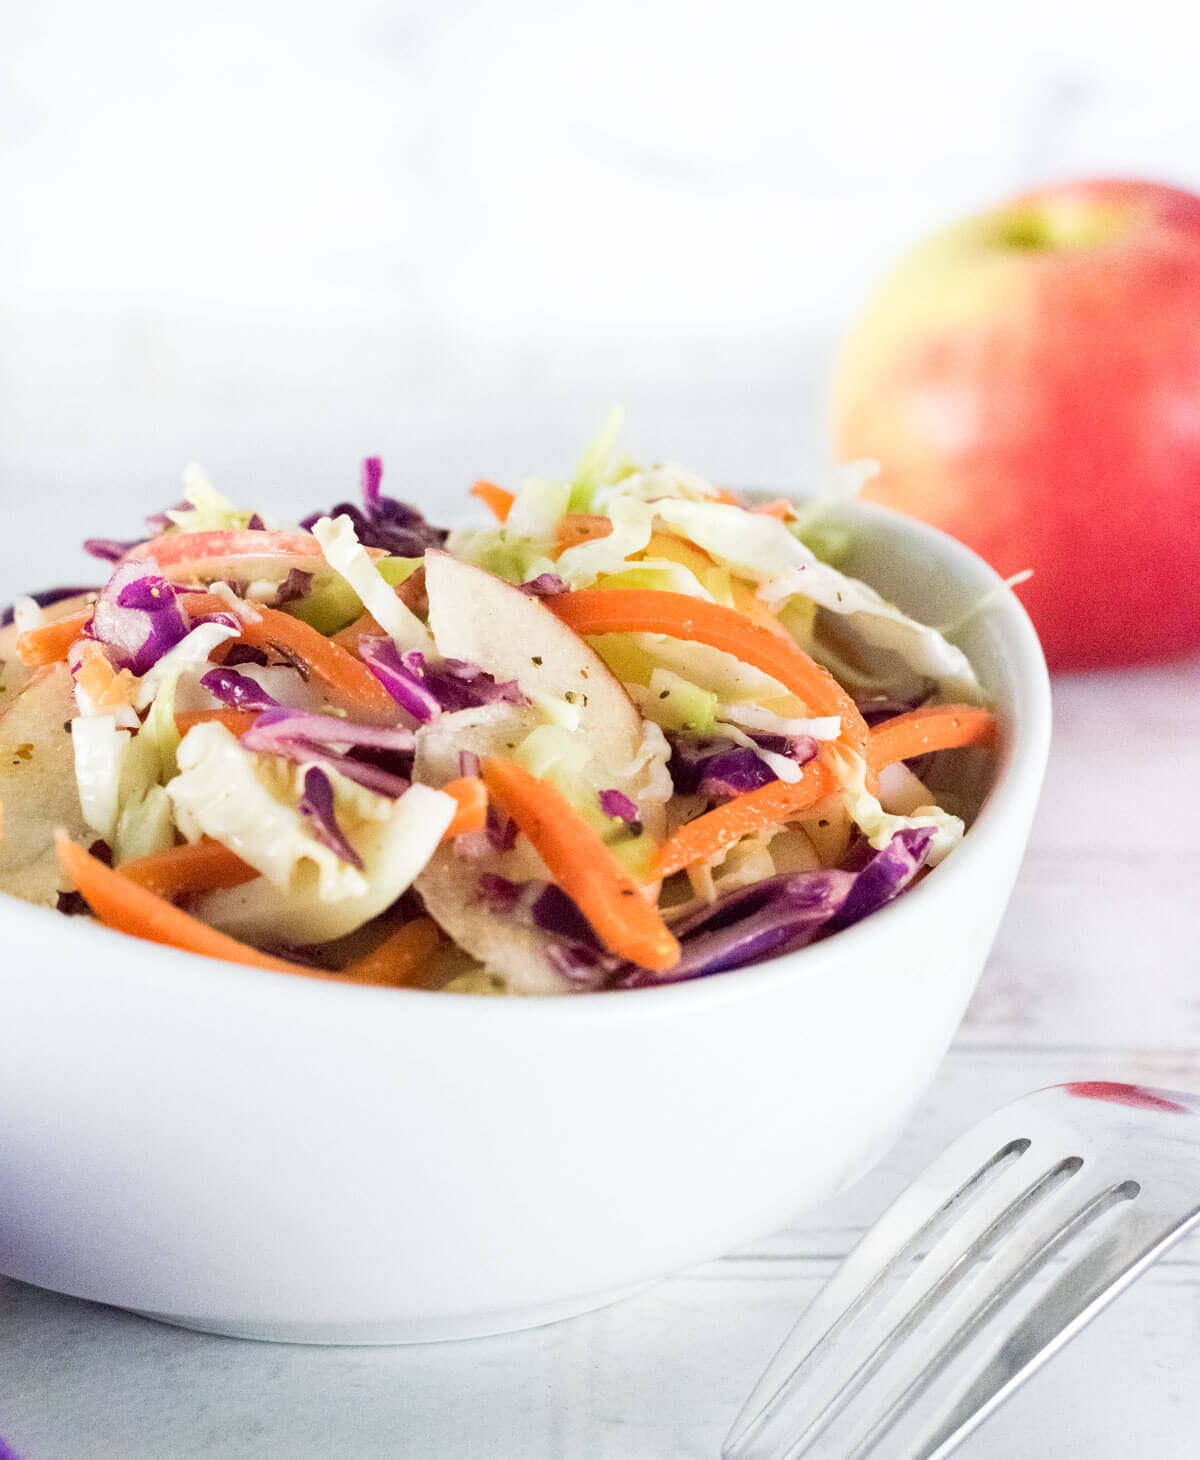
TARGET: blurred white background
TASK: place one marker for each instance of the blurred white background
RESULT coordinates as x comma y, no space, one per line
275,237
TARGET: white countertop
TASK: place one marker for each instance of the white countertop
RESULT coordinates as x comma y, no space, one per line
1096,974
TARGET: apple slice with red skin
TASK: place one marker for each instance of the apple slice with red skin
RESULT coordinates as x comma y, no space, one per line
234,552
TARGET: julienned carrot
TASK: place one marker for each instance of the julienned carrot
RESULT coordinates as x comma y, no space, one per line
717,830
647,610
471,795
624,920
201,866
237,722
355,687
125,905
496,499
50,643
941,727
106,687
400,958
576,527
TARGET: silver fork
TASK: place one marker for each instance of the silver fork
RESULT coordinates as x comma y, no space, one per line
984,1268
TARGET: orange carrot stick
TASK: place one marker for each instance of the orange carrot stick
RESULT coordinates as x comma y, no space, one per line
624,919
719,829
400,958
471,795
123,904
355,687
645,610
496,499
237,722
201,866
106,687
50,643
941,727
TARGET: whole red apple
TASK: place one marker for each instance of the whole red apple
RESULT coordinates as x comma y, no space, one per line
1029,380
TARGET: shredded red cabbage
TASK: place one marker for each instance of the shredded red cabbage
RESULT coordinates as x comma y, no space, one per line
886,875
137,617
575,952
586,969
297,584
304,736
238,690
426,688
109,549
717,766
545,585
617,804
383,522
317,805
501,831
784,913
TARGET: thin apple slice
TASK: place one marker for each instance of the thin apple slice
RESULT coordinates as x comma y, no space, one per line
477,617
37,787
171,549
480,618
233,553
450,883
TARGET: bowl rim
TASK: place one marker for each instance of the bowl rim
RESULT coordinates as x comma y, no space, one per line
1006,809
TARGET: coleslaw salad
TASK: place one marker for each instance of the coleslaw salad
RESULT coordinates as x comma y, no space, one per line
637,731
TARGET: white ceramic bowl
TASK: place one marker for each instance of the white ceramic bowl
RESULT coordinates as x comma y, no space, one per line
254,1154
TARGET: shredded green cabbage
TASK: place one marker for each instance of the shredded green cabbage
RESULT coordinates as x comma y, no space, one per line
348,558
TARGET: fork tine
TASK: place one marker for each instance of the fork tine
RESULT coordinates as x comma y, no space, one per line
966,1314
956,1179
983,1227
847,1358
1075,1297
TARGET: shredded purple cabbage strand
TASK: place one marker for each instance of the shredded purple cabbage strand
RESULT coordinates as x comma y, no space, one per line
238,691
138,617
427,687
717,766
340,745
384,522
785,913
316,805
574,950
